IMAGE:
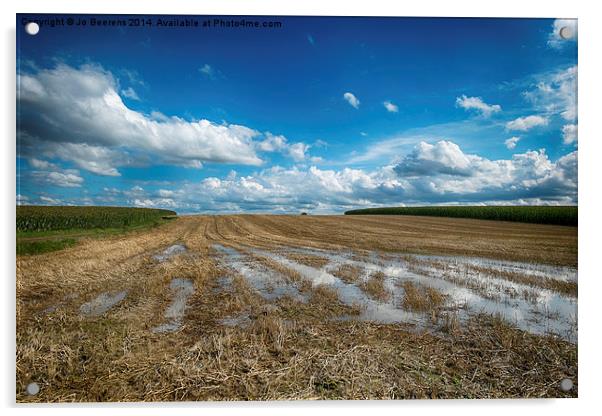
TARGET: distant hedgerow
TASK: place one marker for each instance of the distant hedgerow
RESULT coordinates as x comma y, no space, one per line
559,215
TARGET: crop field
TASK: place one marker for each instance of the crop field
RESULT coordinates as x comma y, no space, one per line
559,215
262,307
42,229
50,218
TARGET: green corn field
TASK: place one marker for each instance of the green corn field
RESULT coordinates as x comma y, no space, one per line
559,215
49,218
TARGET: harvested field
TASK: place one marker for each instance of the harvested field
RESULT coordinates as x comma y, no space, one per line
250,307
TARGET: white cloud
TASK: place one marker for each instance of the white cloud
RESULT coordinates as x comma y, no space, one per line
130,93
50,201
477,104
278,143
95,159
67,179
391,108
555,39
443,157
569,133
154,203
512,142
51,174
437,172
165,193
82,107
526,123
41,164
352,99
555,93
273,143
443,170
298,151
22,199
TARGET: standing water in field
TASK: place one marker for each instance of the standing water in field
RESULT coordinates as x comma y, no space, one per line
269,283
515,291
102,303
169,252
182,289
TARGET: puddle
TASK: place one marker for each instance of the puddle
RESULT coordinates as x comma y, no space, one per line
169,252
182,289
270,284
468,291
102,303
495,267
350,294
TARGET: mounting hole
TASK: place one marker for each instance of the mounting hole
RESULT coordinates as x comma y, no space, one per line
566,32
33,389
566,384
32,28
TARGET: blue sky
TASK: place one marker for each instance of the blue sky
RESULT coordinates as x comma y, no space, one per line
320,114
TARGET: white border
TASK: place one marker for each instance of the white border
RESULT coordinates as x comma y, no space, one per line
589,192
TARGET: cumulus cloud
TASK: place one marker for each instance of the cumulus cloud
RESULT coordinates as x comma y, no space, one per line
511,142
41,164
560,27
391,108
50,174
298,151
273,143
443,157
437,172
452,173
66,179
526,123
278,143
67,106
352,100
555,93
569,133
477,104
95,159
